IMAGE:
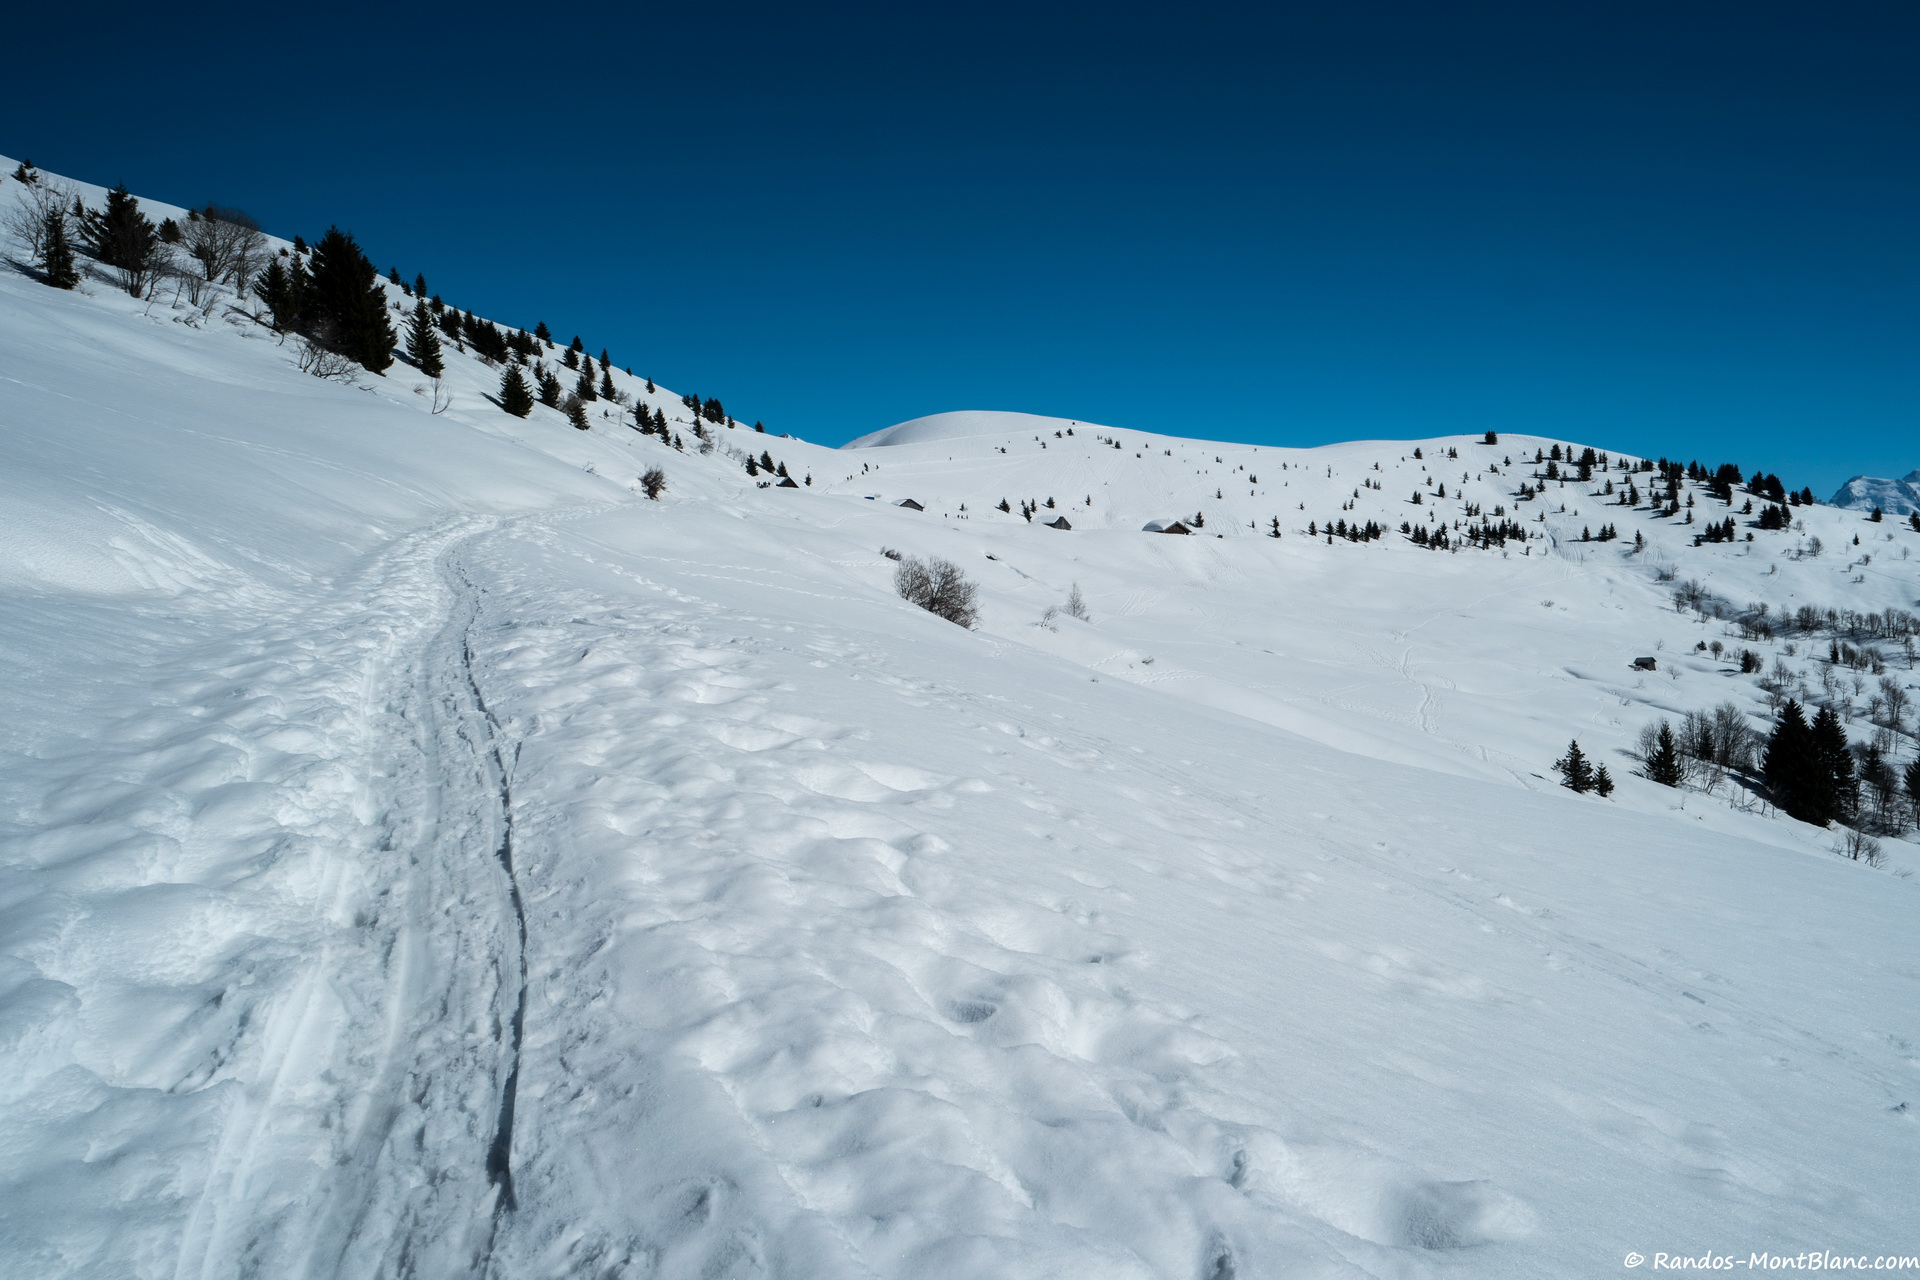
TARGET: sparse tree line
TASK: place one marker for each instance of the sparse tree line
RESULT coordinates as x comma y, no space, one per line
215,246
329,296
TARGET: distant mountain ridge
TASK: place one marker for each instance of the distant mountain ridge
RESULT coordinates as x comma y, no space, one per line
1895,497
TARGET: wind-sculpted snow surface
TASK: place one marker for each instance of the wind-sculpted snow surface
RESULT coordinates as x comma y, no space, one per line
424,857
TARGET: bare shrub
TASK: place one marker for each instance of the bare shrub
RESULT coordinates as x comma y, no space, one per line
32,217
1076,606
323,363
653,483
1734,740
225,242
1858,846
939,587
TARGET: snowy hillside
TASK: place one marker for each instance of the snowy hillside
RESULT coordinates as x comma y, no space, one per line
426,856
1895,497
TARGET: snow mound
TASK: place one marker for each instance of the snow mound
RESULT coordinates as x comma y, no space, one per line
1895,497
962,424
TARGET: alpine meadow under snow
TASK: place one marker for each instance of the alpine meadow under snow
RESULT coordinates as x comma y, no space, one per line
443,842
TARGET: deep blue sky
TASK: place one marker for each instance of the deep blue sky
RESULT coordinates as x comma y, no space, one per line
1680,228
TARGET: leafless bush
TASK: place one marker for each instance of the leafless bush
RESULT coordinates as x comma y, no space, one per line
1076,606
323,363
226,244
939,587
31,219
1734,739
653,483
1894,697
1858,846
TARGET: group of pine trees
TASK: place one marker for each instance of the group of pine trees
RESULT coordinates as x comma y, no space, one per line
1578,774
332,296
1809,767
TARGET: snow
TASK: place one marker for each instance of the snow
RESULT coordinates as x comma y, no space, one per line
373,777
959,425
1895,497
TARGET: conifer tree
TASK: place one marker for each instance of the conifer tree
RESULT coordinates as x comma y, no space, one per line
1791,764
279,288
56,253
1664,765
1575,773
549,389
607,390
1602,782
348,311
515,396
423,344
577,413
570,358
121,236
420,284
1911,780
1836,777
543,333
584,387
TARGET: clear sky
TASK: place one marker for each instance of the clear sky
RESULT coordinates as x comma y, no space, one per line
1670,228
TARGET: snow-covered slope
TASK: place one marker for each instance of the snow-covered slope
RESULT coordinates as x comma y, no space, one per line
424,856
1895,497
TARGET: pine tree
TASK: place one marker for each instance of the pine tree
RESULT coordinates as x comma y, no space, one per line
56,253
420,284
549,389
1838,782
607,391
1602,782
349,308
1911,780
515,396
577,413
283,286
1791,765
1575,773
543,333
1664,766
570,358
423,344
121,236
584,387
